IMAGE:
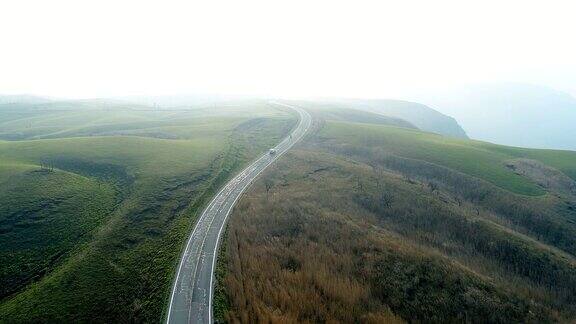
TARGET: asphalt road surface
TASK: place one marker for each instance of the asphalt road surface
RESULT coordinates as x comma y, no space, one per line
191,299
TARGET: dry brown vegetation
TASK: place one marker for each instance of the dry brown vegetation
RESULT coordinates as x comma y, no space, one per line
340,233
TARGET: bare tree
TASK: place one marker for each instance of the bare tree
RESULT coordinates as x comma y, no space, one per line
433,186
269,184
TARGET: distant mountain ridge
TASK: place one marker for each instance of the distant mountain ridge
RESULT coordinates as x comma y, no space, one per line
422,116
419,115
22,99
513,114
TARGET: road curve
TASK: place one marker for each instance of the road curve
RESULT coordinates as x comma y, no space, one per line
191,298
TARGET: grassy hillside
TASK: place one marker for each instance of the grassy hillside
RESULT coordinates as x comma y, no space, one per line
41,222
59,119
376,223
19,99
331,113
418,115
96,204
483,161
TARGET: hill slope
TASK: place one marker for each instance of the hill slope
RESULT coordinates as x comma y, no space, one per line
22,99
376,223
421,116
93,216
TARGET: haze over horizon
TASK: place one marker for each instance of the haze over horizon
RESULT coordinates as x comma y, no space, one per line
321,48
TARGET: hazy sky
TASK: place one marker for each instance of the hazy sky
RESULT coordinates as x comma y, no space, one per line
340,48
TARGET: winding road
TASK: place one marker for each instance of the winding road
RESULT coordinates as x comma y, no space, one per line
191,298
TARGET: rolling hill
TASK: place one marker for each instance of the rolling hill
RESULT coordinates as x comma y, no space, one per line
22,99
371,222
373,218
418,115
96,202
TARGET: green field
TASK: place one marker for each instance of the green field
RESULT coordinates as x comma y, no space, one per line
96,202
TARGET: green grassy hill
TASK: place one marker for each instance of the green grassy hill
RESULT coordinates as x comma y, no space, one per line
418,115
41,222
332,113
480,159
96,203
59,119
378,223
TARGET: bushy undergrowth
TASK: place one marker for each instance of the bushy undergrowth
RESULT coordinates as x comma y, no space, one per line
354,229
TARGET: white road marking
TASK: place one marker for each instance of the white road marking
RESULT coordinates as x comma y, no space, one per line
194,281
